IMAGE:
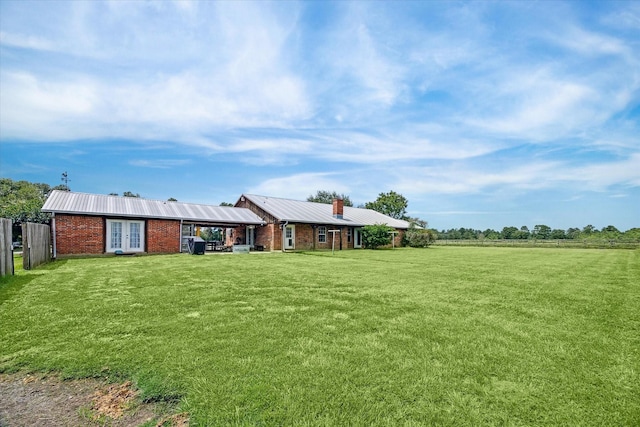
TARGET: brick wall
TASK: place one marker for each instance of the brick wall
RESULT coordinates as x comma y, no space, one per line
163,236
265,236
78,234
272,236
81,234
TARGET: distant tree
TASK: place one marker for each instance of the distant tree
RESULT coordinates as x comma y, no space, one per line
130,194
524,233
588,229
113,194
468,233
417,222
632,234
171,199
541,231
573,233
610,229
610,232
558,233
491,234
328,196
391,204
509,233
226,204
374,236
210,234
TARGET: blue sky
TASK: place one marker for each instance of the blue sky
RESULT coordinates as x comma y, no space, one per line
482,114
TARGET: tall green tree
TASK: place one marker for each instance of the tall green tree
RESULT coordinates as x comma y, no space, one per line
21,201
391,204
328,196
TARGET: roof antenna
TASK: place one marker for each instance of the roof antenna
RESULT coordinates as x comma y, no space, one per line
65,179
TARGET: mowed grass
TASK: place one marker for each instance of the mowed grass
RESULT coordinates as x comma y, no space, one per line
447,336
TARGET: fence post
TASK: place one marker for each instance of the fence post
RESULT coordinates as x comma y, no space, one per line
6,247
36,245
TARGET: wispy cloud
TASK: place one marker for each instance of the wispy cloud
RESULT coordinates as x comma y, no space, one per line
299,186
159,163
25,41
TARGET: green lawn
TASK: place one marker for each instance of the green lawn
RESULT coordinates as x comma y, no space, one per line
447,336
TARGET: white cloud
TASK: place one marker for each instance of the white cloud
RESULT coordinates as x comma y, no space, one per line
300,186
587,42
600,176
539,105
159,163
25,41
36,109
473,178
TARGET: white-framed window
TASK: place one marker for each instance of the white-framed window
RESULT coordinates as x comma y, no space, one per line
322,234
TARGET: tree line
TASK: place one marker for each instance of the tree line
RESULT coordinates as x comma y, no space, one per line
541,232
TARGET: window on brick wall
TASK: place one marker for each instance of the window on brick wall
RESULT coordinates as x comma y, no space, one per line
349,230
322,234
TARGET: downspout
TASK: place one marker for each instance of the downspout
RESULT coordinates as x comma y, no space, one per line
53,231
314,229
284,226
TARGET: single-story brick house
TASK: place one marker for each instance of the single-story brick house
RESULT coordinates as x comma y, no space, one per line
98,224
310,225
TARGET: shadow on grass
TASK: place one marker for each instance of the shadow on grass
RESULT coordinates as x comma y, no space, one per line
12,285
53,265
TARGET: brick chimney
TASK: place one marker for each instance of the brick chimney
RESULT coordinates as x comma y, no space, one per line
338,208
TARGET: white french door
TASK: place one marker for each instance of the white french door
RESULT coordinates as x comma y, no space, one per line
125,235
357,238
290,237
250,235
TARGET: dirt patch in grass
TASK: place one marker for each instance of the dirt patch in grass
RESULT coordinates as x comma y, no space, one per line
28,400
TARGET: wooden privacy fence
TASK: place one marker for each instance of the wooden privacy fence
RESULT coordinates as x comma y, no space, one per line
36,241
6,247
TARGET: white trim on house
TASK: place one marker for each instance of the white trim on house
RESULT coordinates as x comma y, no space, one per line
289,236
322,234
126,235
357,238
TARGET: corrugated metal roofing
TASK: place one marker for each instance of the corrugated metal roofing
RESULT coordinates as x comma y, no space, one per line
321,213
98,204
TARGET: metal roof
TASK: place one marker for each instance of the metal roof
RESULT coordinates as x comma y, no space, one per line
321,213
98,204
